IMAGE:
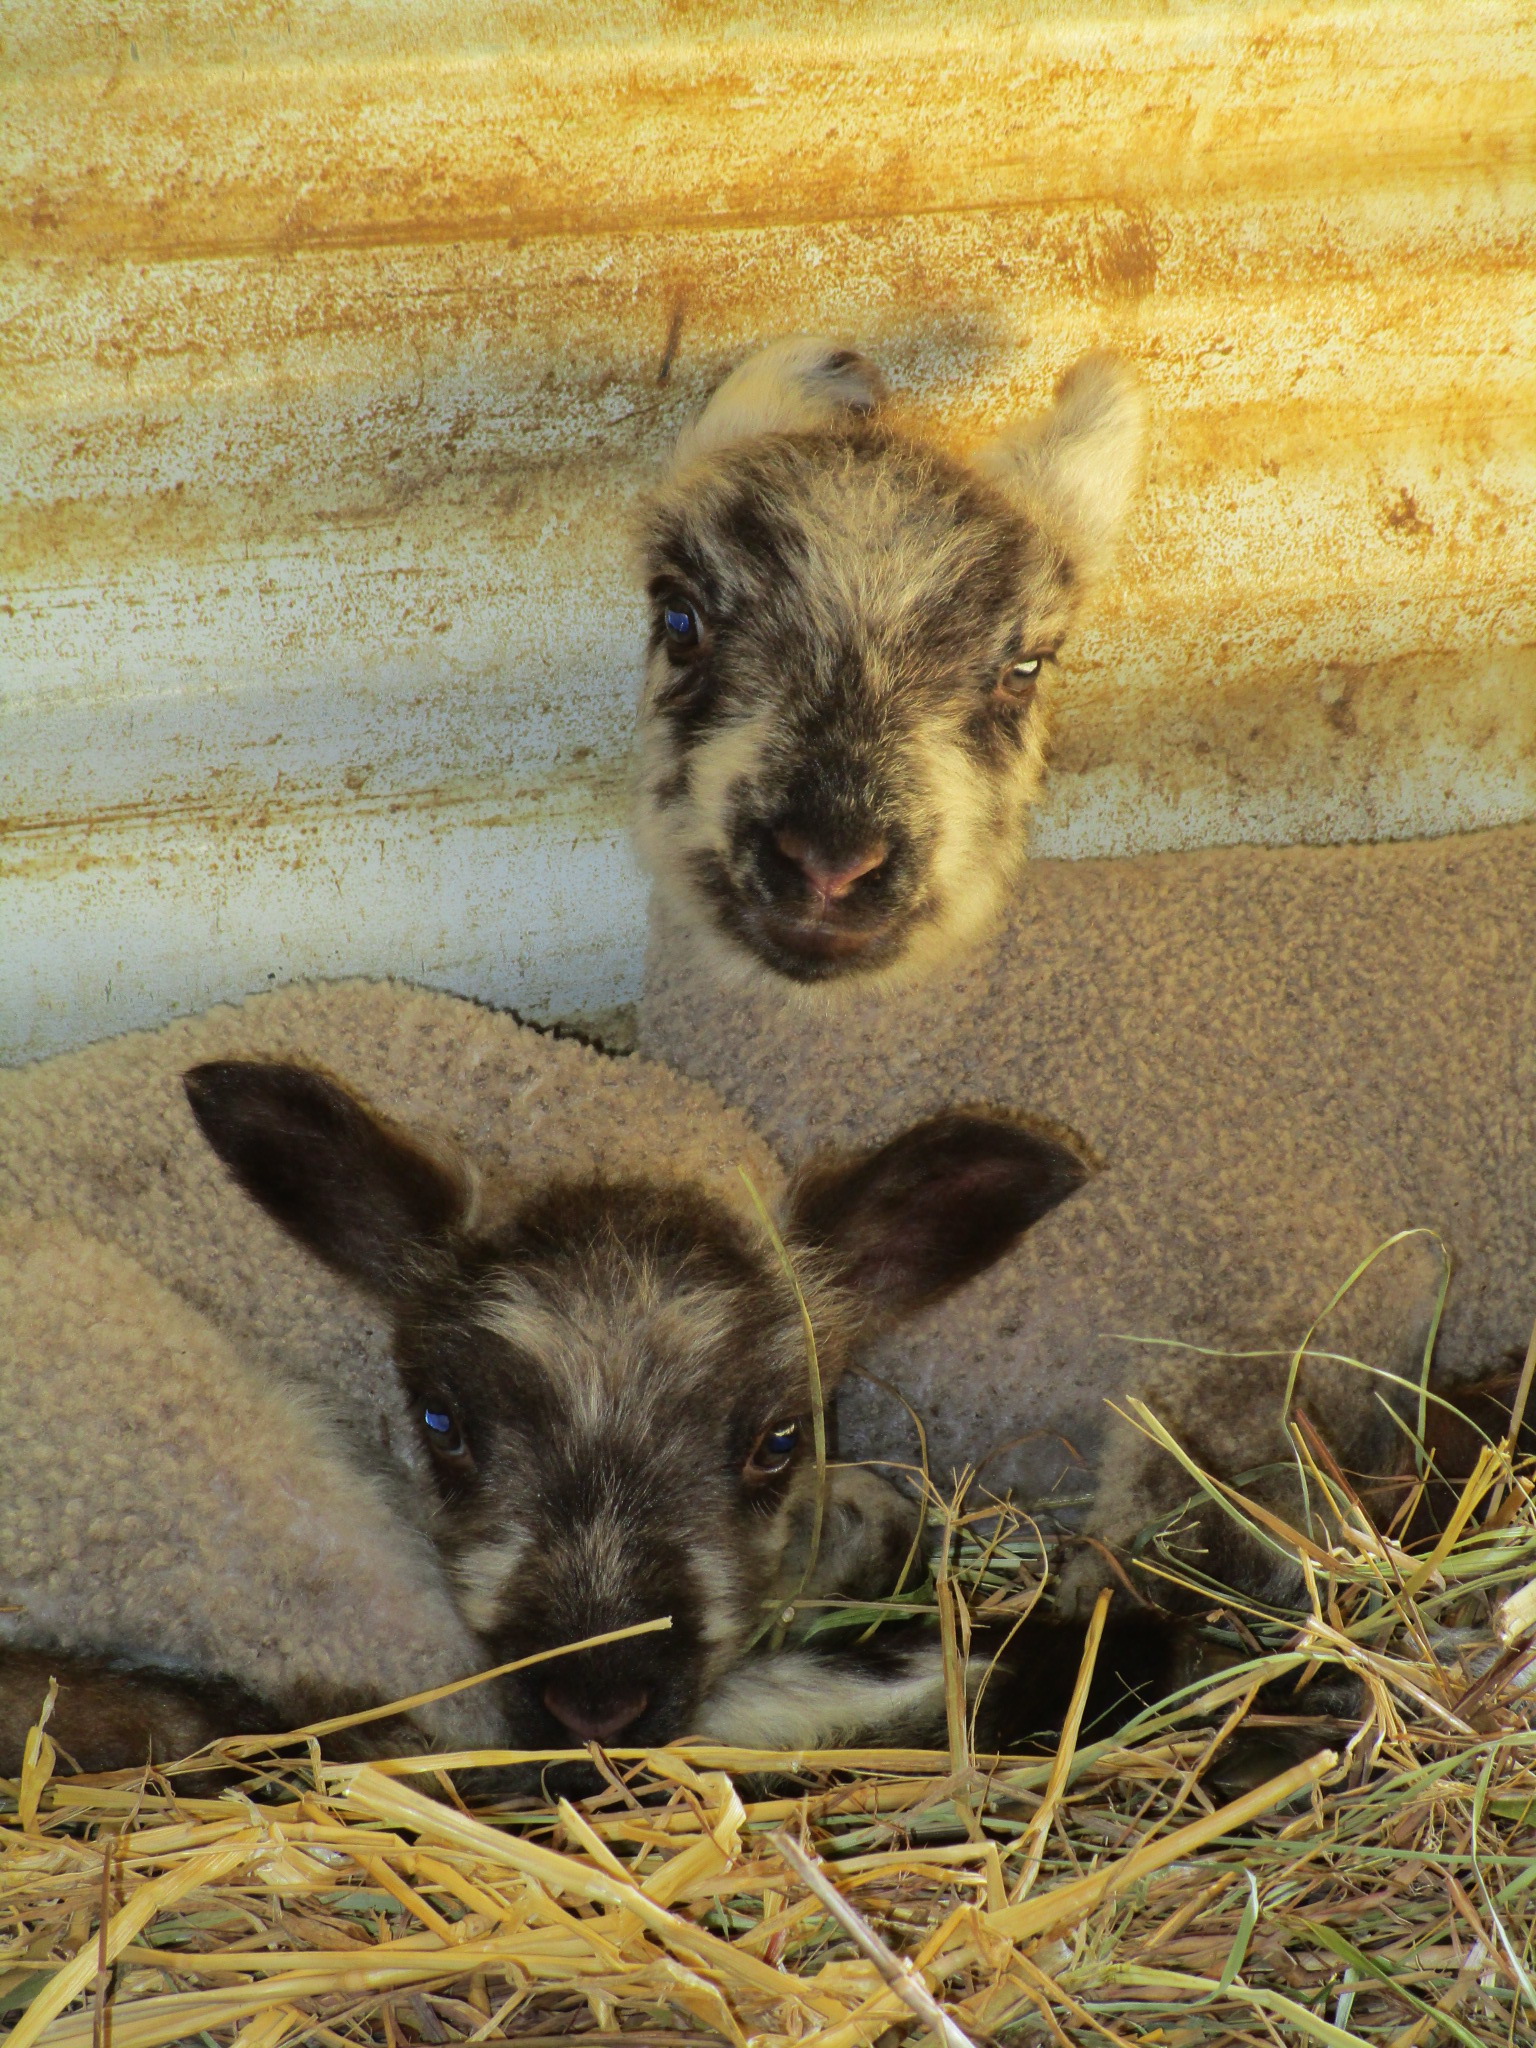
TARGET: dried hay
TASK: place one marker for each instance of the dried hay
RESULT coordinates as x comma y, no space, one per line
1382,1891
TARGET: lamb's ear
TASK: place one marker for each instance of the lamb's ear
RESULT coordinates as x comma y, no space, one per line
357,1192
789,387
935,1206
1077,468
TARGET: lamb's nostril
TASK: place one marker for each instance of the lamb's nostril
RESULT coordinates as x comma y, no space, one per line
831,879
595,1724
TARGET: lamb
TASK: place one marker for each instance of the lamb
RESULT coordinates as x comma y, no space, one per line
219,1489
1279,1059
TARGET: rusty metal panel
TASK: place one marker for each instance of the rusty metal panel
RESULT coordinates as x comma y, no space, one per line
338,338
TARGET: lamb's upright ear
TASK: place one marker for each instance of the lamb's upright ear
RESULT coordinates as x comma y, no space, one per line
789,387
1077,469
935,1206
357,1192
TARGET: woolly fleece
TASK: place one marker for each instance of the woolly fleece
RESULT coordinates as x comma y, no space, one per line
204,1455
158,1502
1282,1057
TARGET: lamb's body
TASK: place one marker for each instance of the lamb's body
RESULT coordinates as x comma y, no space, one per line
1282,1057
162,1505
205,1463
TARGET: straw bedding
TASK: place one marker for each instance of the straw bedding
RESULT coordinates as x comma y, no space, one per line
1381,1890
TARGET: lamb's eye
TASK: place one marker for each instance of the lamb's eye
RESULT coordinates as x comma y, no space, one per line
443,1433
1018,678
680,623
773,1450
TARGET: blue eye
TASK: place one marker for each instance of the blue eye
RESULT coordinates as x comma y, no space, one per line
681,623
443,1433
774,1449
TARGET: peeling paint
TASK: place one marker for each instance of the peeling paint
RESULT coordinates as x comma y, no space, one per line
336,340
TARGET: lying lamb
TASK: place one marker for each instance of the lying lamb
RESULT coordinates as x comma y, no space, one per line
217,1491
1282,1058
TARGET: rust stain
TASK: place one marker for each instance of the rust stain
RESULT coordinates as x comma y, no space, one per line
673,341
837,121
1122,252
1336,694
1285,723
184,830
1401,515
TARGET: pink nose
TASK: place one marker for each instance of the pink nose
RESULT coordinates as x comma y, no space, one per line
830,881
600,1726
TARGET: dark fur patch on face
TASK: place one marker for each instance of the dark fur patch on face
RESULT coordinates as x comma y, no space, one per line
851,709
593,1382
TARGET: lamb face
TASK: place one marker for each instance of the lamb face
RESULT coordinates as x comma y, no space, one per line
843,721
613,1387
611,1377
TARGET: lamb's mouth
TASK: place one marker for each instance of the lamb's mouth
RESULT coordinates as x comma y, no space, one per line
805,948
820,940
819,949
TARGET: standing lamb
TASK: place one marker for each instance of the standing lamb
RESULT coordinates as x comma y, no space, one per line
1282,1057
216,1485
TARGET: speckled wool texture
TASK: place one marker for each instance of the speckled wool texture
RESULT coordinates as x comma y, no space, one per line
211,1295
1282,1056
159,1501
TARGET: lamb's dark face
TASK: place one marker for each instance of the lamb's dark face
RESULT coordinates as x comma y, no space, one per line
613,1387
843,721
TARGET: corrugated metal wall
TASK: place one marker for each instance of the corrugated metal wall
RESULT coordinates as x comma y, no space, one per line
337,339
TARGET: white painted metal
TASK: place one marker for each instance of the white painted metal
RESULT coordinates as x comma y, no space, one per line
336,340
